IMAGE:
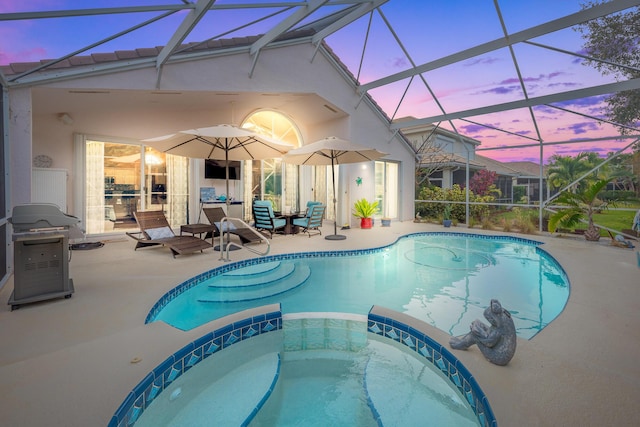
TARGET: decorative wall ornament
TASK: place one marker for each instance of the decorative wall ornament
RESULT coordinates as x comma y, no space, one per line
42,161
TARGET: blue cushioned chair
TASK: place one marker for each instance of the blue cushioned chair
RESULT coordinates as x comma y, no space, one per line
313,220
310,204
265,219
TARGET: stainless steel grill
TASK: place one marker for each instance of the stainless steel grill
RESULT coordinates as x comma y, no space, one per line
41,253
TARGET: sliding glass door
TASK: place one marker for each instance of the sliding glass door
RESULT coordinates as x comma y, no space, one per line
124,178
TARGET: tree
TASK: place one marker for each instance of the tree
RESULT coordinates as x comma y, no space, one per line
482,182
614,40
431,159
580,204
621,171
563,170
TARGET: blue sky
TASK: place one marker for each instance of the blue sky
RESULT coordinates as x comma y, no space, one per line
428,30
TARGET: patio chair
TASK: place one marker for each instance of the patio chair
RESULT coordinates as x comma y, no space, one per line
215,215
310,204
155,230
312,221
265,219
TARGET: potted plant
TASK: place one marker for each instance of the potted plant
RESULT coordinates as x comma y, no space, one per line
579,205
446,216
364,210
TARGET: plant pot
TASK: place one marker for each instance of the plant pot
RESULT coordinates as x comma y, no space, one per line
366,222
447,222
386,222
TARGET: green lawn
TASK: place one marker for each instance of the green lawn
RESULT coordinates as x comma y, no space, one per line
610,218
614,219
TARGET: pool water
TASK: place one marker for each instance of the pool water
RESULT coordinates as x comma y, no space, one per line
446,280
329,373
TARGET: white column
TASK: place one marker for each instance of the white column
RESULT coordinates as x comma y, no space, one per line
20,143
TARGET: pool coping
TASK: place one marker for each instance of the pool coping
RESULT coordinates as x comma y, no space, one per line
232,329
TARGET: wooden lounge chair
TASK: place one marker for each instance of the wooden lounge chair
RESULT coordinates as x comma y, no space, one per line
215,215
155,230
311,221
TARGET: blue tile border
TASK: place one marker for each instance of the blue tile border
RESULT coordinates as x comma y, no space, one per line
438,355
196,280
191,354
188,356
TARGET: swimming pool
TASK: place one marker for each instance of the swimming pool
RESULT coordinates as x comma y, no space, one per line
309,369
444,279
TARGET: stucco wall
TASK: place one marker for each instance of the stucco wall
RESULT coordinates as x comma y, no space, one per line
283,70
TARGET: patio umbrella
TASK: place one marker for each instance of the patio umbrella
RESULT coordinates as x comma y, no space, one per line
332,151
220,142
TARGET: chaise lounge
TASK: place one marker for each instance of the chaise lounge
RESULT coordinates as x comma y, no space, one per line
155,230
215,216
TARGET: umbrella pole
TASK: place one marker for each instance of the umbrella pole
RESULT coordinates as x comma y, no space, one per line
227,202
335,235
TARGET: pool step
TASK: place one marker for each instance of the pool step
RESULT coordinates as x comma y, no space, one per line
281,271
253,269
294,278
221,403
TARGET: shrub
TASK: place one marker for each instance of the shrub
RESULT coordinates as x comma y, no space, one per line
455,196
487,224
523,221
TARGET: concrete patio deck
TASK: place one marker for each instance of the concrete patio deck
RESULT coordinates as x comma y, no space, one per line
68,362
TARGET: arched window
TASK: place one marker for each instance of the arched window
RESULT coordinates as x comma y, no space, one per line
272,179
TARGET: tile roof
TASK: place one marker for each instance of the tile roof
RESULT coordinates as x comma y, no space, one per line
496,166
145,53
527,168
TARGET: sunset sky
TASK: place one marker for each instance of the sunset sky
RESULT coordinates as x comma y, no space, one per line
428,30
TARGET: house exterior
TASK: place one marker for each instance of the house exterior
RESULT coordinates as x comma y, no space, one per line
121,98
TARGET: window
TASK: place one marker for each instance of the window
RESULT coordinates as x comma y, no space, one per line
272,179
387,180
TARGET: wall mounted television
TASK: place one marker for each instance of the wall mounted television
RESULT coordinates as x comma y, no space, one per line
215,169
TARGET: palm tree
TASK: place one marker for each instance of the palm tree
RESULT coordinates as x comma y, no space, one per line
563,170
579,204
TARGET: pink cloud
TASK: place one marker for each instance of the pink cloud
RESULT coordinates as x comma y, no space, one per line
31,55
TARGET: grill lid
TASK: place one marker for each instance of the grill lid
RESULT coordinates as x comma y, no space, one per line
40,215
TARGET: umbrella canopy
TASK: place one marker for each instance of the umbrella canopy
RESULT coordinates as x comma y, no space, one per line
332,151
221,142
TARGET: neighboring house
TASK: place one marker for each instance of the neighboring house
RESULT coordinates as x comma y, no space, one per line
446,155
506,177
529,176
443,153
